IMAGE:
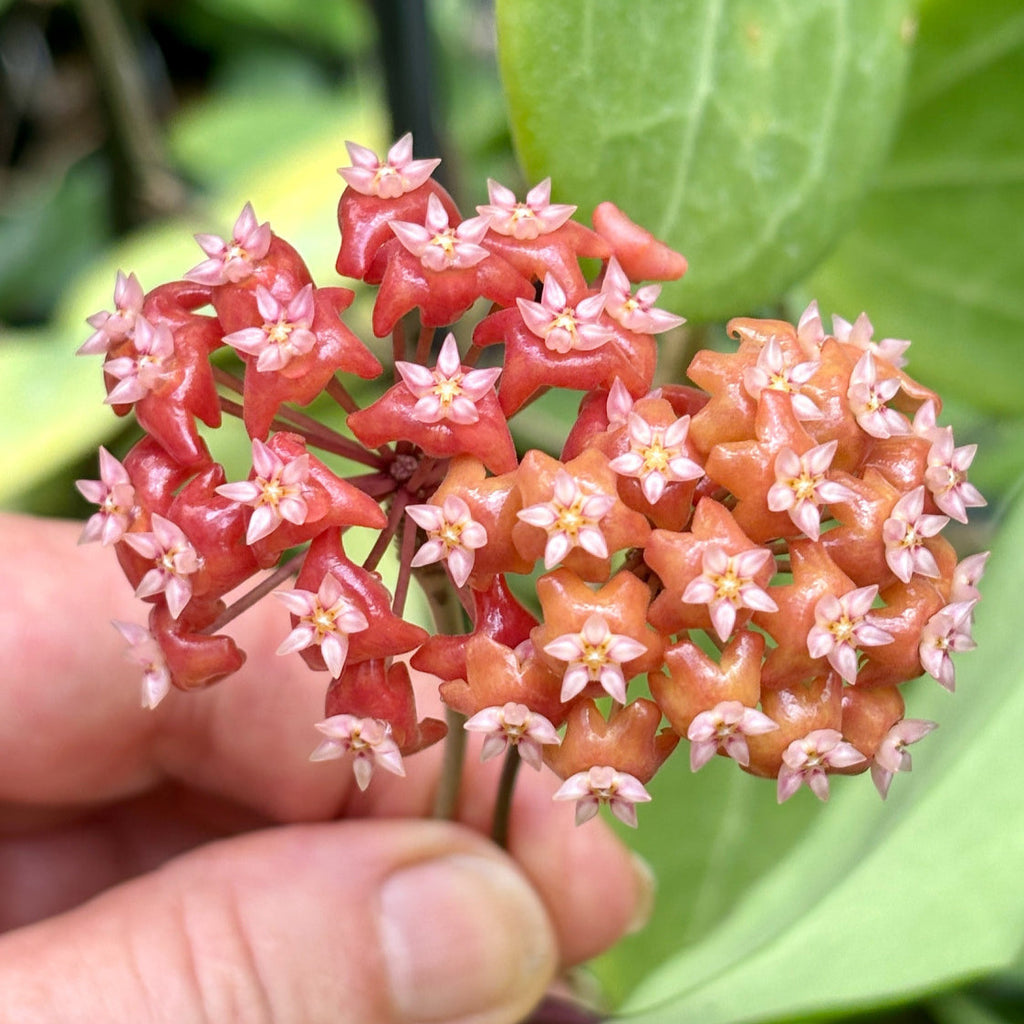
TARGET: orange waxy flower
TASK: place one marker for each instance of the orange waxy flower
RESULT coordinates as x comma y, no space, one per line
679,560
629,740
597,640
749,469
696,683
868,715
565,340
497,675
572,514
815,576
494,503
797,710
374,689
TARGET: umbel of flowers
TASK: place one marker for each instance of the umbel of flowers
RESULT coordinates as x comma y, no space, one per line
763,544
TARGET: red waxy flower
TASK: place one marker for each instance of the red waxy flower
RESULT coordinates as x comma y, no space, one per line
112,328
368,740
232,262
447,411
115,495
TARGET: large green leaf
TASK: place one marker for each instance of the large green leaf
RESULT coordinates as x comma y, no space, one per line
938,256
742,131
876,903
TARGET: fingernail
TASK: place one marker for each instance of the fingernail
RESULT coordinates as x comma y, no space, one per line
464,935
646,887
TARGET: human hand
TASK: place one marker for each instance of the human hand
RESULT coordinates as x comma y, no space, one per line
189,864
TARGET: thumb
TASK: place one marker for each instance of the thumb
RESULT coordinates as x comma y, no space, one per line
371,921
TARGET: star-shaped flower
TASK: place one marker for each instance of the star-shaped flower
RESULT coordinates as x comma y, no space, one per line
815,575
777,372
285,332
841,626
438,245
516,724
276,491
145,651
595,638
594,655
868,395
174,560
891,756
635,312
527,220
602,785
145,368
725,728
571,518
564,327
859,333
905,532
727,582
802,487
115,495
946,476
679,559
369,741
390,178
110,329
946,633
232,261
448,392
807,761
452,536
657,456
326,618
447,411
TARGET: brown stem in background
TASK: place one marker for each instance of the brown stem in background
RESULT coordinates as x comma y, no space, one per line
153,190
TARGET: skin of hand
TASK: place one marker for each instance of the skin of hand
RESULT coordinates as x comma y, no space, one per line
189,864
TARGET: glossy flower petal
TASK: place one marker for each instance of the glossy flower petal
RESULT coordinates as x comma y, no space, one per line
806,761
453,536
115,495
891,755
725,727
234,261
516,724
389,178
594,655
111,328
145,651
174,560
842,625
325,619
602,784
368,740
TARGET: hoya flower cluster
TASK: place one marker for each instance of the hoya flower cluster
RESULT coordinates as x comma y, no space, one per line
762,545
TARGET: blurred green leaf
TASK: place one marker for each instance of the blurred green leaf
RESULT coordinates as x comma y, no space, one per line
38,251
938,256
878,903
343,26
968,1008
52,404
710,837
741,131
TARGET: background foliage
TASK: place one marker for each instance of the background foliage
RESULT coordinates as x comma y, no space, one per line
869,153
